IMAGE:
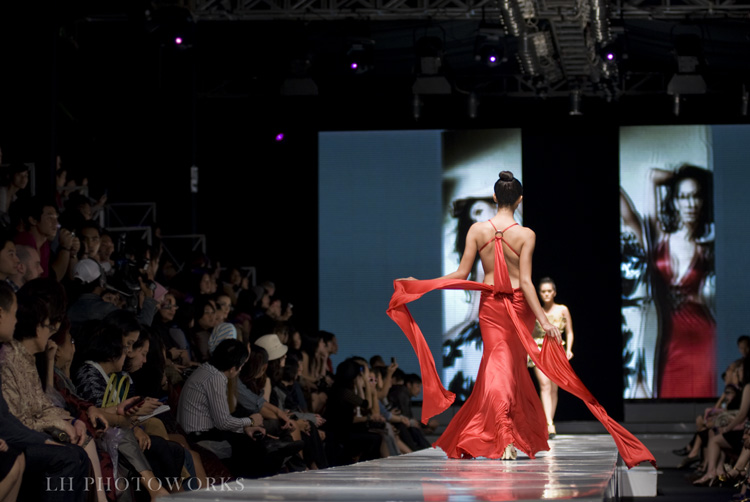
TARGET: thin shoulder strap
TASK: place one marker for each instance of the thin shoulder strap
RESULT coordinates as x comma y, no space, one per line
506,229
492,239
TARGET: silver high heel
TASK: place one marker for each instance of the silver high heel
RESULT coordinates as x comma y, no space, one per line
510,453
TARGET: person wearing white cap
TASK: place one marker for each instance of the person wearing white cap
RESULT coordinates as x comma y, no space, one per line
274,347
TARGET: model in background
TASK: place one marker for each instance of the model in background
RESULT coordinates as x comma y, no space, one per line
558,316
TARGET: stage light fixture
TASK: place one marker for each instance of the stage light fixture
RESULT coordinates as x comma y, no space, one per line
473,105
360,56
416,107
575,103
430,80
299,82
488,46
688,79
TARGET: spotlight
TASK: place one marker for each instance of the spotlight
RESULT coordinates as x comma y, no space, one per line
280,137
491,56
360,56
488,46
178,40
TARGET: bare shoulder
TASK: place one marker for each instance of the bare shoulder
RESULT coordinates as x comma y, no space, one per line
527,234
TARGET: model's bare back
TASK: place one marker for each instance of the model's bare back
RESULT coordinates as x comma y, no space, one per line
514,237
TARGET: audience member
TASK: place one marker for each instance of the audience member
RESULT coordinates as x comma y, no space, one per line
40,222
28,268
203,412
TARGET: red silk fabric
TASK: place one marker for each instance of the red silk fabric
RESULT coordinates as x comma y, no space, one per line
551,360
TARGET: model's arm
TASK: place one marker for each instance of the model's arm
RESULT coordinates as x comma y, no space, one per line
657,177
529,291
568,333
630,216
469,256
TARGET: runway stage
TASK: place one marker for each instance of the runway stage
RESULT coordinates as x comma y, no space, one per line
581,467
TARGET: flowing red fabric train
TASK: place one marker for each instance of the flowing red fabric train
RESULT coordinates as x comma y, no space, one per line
551,359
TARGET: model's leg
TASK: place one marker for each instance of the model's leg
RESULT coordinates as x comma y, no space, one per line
545,395
553,401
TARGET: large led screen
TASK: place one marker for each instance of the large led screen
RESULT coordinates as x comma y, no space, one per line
668,262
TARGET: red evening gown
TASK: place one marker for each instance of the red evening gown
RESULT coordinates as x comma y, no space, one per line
503,407
688,332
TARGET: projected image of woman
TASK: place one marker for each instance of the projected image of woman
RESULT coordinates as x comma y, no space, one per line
684,270
682,273
503,411
462,345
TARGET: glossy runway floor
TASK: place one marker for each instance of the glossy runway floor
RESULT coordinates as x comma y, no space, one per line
580,467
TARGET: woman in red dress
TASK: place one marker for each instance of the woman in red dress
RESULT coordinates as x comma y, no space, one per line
503,411
683,267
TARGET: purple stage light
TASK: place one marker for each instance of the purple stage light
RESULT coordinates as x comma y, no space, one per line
493,59
280,136
178,40
354,66
610,56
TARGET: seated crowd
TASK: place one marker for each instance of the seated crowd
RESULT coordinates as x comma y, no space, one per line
719,450
124,378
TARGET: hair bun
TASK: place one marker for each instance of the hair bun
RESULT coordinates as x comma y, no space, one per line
506,176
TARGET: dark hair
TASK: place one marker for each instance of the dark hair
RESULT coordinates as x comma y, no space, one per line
6,296
31,313
327,336
346,372
122,320
274,369
376,360
5,238
105,345
249,374
669,217
34,208
381,370
547,280
62,332
143,337
89,224
743,338
290,369
9,171
199,306
230,353
50,291
507,189
399,374
412,378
